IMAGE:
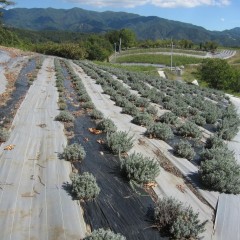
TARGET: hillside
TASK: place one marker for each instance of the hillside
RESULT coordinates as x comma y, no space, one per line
79,20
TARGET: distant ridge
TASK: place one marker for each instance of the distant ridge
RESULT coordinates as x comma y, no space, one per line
80,20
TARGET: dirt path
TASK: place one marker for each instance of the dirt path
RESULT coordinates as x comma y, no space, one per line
167,183
33,204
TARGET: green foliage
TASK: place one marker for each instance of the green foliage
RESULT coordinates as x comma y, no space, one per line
119,142
158,58
159,130
102,234
214,142
143,119
128,37
179,222
97,47
95,114
64,116
74,152
142,102
152,110
184,149
221,174
169,118
198,119
4,135
62,105
139,168
165,212
217,153
229,124
189,129
217,73
88,105
187,225
8,38
66,50
84,186
211,113
107,125
130,109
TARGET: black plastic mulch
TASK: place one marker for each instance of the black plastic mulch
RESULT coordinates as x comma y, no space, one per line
7,111
117,207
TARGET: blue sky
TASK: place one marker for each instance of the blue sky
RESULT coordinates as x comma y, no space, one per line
210,14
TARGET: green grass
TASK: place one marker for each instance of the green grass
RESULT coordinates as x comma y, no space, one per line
150,70
154,50
158,59
190,73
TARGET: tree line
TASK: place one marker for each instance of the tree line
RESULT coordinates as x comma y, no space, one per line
219,74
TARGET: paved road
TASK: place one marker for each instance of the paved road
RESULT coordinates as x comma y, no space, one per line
33,204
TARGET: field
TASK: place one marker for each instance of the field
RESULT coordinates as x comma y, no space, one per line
164,50
159,59
87,145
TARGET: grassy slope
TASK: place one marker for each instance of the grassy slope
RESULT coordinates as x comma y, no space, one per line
158,59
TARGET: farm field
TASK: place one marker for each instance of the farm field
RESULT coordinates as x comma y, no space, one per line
52,103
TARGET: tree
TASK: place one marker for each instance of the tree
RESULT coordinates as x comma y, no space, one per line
128,38
4,4
217,73
98,48
209,46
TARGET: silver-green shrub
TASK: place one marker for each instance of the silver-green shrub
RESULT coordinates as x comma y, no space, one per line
107,125
221,174
160,130
214,142
177,221
139,168
187,225
184,149
152,110
74,152
169,118
84,186
102,234
95,114
4,135
88,105
143,119
64,116
190,129
119,142
198,119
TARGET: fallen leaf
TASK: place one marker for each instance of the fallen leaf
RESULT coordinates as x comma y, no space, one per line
180,188
150,185
100,141
94,131
9,147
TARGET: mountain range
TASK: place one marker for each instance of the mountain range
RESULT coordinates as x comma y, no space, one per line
80,20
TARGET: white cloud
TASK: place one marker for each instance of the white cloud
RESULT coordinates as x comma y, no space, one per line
158,3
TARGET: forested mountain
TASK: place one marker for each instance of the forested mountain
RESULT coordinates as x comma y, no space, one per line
84,21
